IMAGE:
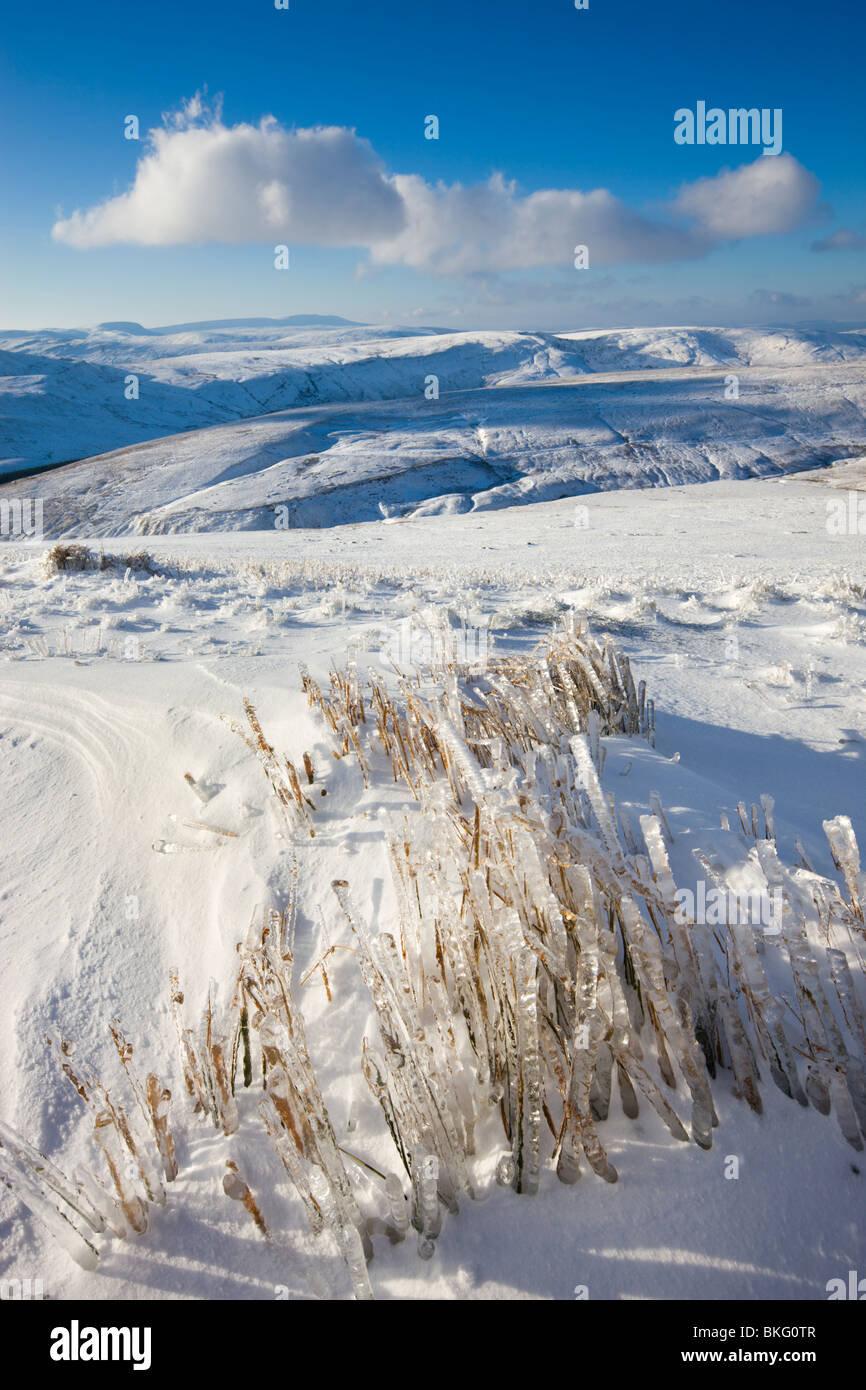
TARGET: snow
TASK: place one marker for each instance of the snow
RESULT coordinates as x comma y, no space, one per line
553,476
468,451
63,393
96,744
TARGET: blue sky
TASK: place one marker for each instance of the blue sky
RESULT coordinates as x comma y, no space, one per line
547,96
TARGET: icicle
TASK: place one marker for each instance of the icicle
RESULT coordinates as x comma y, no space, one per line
590,783
150,1174
658,812
191,1071
855,1075
107,1137
418,1055
626,1092
158,1100
397,1208
599,1093
817,1017
527,1155
645,949
42,1171
506,1171
701,998
589,1030
662,1107
766,1012
845,1114
593,730
428,1218
841,976
846,856
102,1202
76,1245
289,1157
855,1079
228,1109
568,1165
237,1189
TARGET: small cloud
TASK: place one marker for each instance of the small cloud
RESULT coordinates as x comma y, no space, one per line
769,196
778,299
845,239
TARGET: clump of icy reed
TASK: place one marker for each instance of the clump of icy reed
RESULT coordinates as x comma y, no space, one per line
536,931
135,1145
539,947
70,558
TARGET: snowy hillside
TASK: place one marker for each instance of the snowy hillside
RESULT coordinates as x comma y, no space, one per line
470,450
65,394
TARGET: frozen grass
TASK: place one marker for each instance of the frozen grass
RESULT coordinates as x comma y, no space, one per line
71,558
178,607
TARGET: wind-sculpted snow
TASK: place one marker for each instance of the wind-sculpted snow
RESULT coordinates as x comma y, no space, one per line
66,394
322,465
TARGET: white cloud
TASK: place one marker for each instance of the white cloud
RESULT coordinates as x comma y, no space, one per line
457,230
199,180
759,199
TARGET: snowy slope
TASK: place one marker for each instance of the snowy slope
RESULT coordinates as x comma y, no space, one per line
618,349
62,392
746,616
466,451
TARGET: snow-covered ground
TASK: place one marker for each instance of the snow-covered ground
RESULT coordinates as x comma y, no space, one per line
740,605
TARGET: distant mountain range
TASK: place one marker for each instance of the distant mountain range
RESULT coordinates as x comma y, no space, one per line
293,321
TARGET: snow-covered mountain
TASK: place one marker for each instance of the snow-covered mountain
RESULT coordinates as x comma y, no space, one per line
321,465
67,394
